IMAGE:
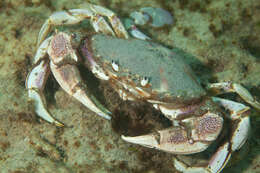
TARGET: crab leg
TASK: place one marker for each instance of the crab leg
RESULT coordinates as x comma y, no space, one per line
114,20
240,128
35,84
42,50
100,25
225,87
63,18
241,121
136,33
69,79
75,16
90,62
216,163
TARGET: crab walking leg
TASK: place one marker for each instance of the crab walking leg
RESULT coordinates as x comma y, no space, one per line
42,50
240,130
69,79
75,16
89,61
71,17
224,87
63,18
35,84
216,163
100,25
117,26
241,122
136,33
182,167
133,30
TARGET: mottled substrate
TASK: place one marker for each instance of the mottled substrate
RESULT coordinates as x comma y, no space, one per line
223,37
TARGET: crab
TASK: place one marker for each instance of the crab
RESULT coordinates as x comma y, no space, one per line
140,70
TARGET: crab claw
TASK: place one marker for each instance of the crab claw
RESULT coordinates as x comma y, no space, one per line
69,79
181,140
174,140
35,83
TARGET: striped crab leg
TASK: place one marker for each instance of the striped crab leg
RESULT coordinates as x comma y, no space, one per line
115,22
225,87
93,12
35,85
36,80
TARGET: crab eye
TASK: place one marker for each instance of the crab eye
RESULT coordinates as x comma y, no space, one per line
115,66
144,81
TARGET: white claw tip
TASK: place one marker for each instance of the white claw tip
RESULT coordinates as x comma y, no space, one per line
58,124
104,116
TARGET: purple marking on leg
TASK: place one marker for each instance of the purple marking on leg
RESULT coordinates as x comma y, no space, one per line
115,20
189,109
87,52
38,76
41,76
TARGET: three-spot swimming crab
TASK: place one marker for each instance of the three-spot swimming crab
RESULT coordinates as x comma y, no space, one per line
140,70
